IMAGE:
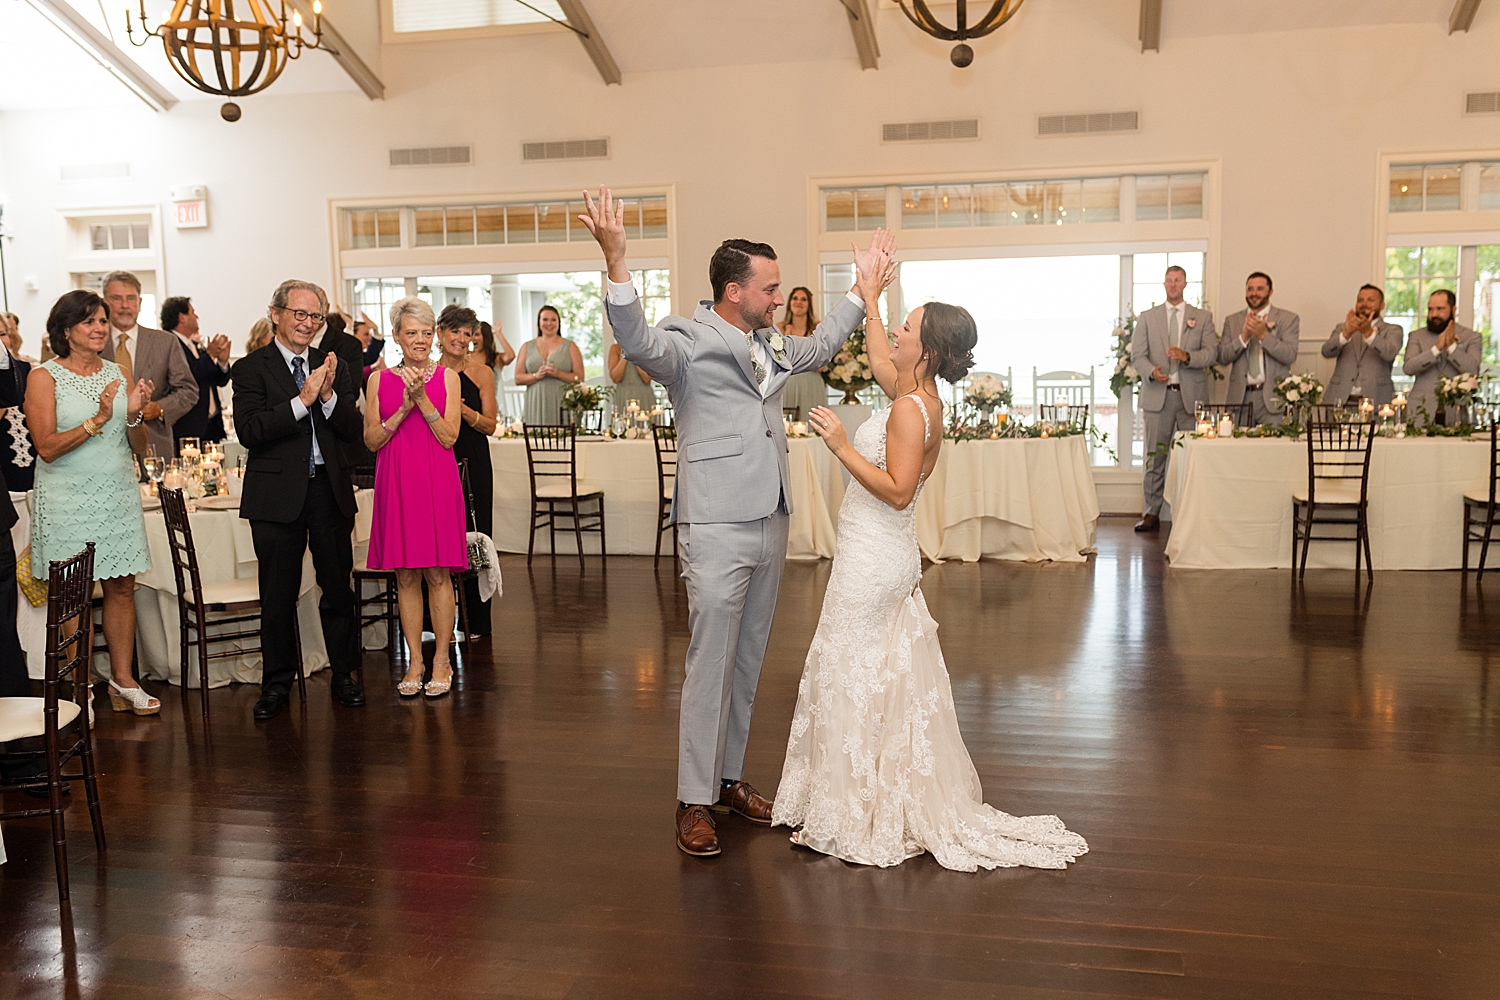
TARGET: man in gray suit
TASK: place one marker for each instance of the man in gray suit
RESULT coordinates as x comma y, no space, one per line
150,354
1441,349
1172,348
1260,344
1366,346
724,370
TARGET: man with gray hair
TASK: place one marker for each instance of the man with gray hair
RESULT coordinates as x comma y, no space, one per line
142,352
294,410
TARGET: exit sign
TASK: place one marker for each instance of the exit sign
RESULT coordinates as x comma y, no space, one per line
190,214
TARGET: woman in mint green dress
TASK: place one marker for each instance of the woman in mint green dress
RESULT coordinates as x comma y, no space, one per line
86,487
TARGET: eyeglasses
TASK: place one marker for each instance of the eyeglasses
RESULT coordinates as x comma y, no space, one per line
302,315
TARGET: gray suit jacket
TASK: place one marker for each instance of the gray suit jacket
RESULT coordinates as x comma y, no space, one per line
1279,353
1372,373
731,445
1148,351
157,355
1428,369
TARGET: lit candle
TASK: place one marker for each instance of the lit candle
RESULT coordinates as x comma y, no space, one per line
799,429
1204,428
1386,412
1226,426
995,435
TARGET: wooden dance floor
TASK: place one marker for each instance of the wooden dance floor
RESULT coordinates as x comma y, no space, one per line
1287,795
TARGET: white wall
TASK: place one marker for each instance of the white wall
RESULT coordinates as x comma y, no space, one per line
1298,120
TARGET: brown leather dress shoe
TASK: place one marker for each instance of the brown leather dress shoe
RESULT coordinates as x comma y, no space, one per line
695,832
1148,523
742,798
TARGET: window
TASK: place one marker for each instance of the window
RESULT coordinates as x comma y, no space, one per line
1489,185
1151,270
1168,196
1426,187
124,235
1411,275
1487,278
374,296
491,225
849,209
448,15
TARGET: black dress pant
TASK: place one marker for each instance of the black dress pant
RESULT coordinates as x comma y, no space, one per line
13,680
279,548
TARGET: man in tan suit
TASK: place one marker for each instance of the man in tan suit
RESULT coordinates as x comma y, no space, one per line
151,354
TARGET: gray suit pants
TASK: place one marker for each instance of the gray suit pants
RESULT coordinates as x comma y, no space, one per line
733,572
1160,426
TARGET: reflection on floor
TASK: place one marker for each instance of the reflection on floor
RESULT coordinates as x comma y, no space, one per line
1287,794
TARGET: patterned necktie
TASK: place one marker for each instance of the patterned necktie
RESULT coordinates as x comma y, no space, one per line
1174,338
301,376
126,363
760,369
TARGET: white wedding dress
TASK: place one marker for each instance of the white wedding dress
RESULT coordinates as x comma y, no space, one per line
876,770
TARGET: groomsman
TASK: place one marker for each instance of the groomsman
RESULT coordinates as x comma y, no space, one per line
1441,349
1260,344
1366,347
209,364
1172,348
293,410
142,352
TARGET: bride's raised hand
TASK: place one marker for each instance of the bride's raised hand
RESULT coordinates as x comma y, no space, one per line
829,427
875,267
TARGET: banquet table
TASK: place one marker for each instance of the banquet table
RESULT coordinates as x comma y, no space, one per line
1013,499
1231,502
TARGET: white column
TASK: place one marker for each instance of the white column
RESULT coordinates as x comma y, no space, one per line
505,307
1468,273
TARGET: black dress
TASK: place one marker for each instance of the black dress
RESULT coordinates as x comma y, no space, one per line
475,447
17,455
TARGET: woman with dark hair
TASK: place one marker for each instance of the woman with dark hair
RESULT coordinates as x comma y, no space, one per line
483,344
550,364
876,769
86,486
476,384
806,390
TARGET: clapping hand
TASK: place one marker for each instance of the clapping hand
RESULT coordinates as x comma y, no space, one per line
107,403
875,268
547,369
1355,323
218,349
1178,354
829,427
1255,327
139,397
605,219
1448,337
331,367
312,386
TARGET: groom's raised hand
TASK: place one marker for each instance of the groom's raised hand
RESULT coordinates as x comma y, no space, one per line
606,220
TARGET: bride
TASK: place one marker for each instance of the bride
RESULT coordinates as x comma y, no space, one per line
876,770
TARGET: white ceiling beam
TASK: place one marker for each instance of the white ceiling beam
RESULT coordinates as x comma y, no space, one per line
1150,25
105,52
592,41
862,24
1463,15
343,53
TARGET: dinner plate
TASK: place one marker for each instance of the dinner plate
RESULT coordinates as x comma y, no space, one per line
219,503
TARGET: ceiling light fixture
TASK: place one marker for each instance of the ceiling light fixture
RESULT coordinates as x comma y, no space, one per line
231,54
921,15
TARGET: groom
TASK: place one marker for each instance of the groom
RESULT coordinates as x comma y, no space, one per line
724,370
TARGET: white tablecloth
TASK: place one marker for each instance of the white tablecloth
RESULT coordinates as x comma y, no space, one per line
626,472
1024,500
1018,499
1231,503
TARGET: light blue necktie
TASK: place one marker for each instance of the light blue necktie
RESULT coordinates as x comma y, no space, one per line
301,377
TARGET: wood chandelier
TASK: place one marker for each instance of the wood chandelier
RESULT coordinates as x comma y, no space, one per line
922,16
229,49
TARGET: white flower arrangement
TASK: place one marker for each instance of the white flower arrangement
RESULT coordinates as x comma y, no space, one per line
1302,389
1458,391
1124,375
987,391
581,396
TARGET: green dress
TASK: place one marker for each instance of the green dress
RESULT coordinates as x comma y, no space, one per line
90,494
544,396
631,387
804,391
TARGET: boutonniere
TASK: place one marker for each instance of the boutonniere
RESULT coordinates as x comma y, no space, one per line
1192,323
778,344
1271,325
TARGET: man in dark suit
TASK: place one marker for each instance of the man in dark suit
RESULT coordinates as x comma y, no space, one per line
351,356
210,367
294,412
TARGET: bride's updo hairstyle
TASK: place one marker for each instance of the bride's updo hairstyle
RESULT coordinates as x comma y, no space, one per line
948,339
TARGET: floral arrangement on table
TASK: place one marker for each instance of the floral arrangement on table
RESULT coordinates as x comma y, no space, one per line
1299,390
1458,391
1125,374
849,371
581,397
987,392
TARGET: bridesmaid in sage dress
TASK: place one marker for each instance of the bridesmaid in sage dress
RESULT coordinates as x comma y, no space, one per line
807,390
549,364
630,383
457,328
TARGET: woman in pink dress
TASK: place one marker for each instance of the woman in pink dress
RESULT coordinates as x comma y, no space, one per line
412,415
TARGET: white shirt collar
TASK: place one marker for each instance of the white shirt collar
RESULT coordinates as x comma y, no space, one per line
116,333
288,355
1263,310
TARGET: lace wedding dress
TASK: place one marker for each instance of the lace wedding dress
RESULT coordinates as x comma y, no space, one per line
876,769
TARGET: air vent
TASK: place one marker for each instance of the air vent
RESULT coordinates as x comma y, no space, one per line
1107,121
567,149
939,131
430,156
1487,103
95,171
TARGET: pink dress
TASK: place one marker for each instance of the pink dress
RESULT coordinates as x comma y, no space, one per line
418,520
